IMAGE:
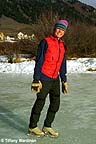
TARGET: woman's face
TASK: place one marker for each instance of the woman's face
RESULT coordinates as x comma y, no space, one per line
59,33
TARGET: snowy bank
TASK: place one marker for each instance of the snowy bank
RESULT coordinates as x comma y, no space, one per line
80,65
24,67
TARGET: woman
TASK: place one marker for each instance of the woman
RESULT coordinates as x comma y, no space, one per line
50,67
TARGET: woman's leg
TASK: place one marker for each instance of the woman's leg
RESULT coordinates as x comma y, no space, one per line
54,96
39,104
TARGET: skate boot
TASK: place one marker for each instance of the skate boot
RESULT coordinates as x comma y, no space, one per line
35,131
51,131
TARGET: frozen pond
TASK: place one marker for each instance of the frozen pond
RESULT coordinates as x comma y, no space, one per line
75,121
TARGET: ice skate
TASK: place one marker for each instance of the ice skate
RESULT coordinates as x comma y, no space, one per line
51,131
35,131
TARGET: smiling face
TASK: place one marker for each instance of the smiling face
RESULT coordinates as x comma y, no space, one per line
59,33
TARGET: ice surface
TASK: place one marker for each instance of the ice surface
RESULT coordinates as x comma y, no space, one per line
75,120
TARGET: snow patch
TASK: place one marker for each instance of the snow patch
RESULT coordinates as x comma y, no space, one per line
80,65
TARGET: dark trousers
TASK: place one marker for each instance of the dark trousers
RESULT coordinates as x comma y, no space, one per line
53,89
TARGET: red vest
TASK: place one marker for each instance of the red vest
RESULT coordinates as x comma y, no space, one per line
53,57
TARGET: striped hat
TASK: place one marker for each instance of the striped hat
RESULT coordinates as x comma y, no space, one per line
63,24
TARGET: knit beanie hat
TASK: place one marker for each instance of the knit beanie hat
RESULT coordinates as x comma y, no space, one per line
63,24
